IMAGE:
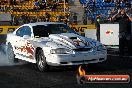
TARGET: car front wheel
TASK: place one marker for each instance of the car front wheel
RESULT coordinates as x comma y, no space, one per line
41,61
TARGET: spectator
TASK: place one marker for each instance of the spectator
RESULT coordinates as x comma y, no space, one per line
36,5
47,17
118,4
124,31
25,18
42,5
97,24
55,4
44,1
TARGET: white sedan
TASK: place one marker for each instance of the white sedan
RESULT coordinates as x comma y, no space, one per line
53,44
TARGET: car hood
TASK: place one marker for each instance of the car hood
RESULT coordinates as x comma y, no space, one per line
70,40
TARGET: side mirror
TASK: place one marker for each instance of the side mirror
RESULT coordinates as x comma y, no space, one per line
26,37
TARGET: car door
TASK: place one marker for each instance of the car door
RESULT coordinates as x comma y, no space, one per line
24,47
26,39
18,43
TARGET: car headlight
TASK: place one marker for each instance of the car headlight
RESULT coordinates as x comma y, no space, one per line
100,48
61,51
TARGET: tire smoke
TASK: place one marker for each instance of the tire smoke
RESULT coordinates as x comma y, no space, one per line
4,61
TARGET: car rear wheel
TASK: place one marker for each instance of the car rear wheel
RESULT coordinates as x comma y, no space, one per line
41,61
10,54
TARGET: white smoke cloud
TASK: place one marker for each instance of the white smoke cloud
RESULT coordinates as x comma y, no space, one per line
4,61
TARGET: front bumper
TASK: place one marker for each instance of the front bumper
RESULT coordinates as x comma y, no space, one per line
76,59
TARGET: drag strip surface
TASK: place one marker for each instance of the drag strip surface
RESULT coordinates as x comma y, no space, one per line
27,75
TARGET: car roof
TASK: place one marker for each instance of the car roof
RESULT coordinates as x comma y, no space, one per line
44,23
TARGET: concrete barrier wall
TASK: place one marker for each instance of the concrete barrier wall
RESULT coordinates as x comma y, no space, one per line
7,29
81,28
90,33
77,28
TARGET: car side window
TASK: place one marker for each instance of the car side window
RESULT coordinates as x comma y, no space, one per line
20,32
41,31
25,30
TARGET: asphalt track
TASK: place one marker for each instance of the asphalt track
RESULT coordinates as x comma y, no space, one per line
26,75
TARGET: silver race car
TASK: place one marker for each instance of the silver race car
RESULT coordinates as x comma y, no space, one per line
53,44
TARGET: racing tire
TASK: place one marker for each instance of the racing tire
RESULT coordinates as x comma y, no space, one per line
10,54
41,61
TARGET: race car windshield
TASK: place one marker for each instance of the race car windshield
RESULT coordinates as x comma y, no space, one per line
46,30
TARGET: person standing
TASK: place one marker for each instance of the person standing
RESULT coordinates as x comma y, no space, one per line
13,2
124,21
97,24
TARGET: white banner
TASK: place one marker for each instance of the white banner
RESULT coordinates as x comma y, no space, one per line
109,34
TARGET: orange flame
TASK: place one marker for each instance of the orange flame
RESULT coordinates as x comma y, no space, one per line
81,71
